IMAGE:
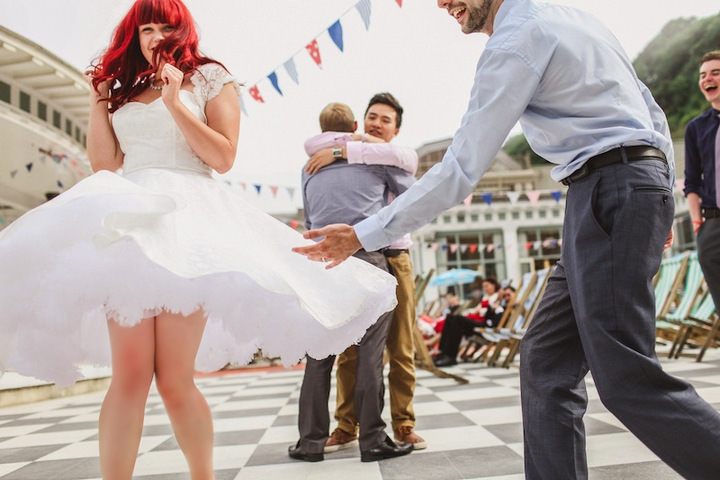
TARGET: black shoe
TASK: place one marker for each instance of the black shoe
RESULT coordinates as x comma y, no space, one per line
444,361
387,449
298,453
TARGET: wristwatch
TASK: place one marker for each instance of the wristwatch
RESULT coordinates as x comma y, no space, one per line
337,153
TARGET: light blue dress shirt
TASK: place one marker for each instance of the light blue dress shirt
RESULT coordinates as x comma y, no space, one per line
568,81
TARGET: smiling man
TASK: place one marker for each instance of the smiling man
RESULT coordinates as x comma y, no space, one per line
702,173
568,81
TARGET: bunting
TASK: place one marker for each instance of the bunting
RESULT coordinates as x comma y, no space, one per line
399,2
314,51
336,34
557,195
274,81
255,93
487,197
364,9
291,70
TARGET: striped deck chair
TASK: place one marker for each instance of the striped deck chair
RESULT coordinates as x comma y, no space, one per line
489,337
517,335
672,323
513,335
668,281
702,322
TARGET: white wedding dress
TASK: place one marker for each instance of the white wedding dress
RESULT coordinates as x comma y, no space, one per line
166,235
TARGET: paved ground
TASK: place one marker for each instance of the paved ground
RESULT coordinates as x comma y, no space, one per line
473,432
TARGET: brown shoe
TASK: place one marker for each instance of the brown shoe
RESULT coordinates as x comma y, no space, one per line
405,434
339,440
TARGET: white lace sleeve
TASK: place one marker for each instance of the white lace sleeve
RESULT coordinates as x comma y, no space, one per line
209,79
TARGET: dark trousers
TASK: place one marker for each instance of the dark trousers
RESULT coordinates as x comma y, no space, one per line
313,414
708,246
597,315
456,327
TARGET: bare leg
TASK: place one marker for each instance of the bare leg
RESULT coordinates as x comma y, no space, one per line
123,410
177,339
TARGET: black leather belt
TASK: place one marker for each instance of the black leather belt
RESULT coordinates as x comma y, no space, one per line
711,212
611,157
394,252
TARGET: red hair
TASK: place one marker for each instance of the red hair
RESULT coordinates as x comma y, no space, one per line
123,63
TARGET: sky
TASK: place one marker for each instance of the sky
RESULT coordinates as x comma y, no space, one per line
417,52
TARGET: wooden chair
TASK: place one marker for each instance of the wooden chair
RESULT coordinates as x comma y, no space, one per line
673,323
485,340
516,336
422,355
700,328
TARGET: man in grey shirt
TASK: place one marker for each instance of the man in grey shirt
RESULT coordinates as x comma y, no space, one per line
349,193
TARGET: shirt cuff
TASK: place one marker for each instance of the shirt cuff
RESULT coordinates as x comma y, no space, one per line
353,152
371,235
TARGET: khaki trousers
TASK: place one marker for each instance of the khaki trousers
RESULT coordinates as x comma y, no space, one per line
401,353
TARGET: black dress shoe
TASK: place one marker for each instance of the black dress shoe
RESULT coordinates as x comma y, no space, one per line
298,453
387,449
444,361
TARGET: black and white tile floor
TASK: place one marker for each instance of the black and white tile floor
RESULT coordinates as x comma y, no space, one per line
473,432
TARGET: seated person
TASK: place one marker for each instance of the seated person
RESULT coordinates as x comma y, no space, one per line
487,313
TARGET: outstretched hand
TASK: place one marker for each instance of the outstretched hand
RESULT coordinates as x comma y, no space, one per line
339,243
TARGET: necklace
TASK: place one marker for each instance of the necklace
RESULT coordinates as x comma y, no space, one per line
156,87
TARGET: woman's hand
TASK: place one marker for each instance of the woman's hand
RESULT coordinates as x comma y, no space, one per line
172,79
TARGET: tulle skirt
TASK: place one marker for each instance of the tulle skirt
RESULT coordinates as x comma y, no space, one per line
128,247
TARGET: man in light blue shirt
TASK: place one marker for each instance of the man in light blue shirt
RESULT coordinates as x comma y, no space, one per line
567,80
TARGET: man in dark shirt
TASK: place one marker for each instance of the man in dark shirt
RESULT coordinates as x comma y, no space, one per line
702,174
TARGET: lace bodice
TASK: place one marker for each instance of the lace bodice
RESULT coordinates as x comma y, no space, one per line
148,135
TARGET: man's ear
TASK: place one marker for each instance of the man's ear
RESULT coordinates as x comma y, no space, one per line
355,126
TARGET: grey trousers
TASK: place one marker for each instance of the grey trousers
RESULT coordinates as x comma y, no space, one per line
708,245
313,414
598,315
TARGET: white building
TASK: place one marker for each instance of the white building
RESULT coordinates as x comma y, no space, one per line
43,123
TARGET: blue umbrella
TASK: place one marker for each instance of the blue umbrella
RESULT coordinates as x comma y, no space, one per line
456,276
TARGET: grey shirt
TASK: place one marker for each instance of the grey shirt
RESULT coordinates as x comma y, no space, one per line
349,193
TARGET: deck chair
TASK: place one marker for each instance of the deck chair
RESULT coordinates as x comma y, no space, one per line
513,343
667,282
422,355
700,328
486,339
673,324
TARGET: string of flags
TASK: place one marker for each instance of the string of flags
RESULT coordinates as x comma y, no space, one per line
472,248
312,48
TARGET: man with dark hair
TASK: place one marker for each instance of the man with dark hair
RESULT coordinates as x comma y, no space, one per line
566,78
342,191
702,173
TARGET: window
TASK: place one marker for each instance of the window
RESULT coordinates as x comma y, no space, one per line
57,123
4,92
540,246
474,217
516,215
68,127
482,251
42,111
24,102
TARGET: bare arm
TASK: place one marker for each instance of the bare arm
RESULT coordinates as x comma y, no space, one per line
215,142
103,148
694,201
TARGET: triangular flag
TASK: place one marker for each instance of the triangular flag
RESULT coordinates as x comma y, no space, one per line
434,246
291,70
293,223
255,93
29,166
274,190
257,188
463,248
290,191
314,51
336,34
364,9
243,185
13,173
680,183
59,184
513,197
487,197
453,248
490,248
274,80
556,194
533,196
473,248
468,200
399,2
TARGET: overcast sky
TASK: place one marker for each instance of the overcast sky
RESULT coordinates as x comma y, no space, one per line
416,52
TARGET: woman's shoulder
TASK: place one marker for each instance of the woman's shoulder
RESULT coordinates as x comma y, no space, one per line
209,78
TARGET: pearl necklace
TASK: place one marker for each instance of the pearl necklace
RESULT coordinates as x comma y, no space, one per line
156,87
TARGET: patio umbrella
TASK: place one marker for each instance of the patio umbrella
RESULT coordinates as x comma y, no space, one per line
456,276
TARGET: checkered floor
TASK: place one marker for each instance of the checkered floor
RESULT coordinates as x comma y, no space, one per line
473,432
